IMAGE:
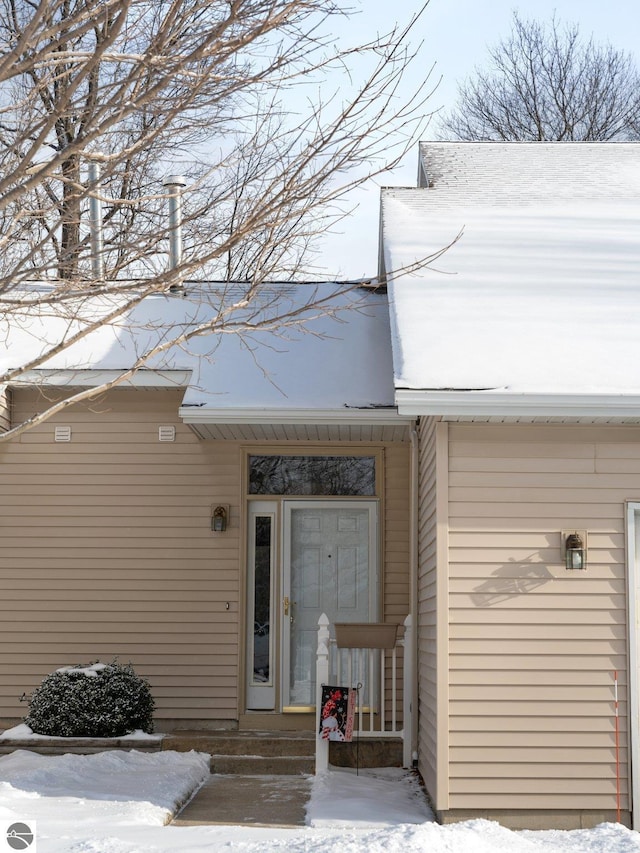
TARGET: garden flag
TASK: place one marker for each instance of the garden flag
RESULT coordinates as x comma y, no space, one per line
337,711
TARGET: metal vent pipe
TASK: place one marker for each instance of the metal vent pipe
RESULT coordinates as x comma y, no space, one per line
174,184
95,223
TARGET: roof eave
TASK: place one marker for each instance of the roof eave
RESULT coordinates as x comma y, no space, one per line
414,403
97,377
346,416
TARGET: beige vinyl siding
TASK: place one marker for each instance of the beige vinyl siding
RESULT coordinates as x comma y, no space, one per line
533,647
395,525
107,551
431,607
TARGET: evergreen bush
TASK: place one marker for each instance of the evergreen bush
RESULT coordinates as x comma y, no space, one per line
98,700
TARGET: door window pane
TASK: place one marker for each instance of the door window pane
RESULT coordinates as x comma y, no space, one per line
262,601
312,475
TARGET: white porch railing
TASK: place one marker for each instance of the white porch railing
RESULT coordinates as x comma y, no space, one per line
375,672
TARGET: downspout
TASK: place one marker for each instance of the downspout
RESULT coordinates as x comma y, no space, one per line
413,581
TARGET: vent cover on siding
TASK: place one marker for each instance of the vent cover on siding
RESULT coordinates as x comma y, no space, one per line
166,433
62,433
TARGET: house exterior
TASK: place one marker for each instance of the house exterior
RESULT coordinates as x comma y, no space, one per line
427,452
197,519
517,353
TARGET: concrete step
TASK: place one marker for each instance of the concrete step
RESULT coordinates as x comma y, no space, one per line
367,752
257,765
279,753
250,753
244,743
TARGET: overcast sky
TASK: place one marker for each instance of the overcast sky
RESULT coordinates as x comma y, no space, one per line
455,35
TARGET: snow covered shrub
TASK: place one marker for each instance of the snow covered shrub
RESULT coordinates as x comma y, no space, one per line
98,700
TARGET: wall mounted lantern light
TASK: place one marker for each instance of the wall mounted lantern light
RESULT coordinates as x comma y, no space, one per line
219,518
575,552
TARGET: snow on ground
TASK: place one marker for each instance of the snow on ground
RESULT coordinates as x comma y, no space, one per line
23,732
117,802
117,787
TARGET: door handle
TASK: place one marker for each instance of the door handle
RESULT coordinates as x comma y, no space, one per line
288,607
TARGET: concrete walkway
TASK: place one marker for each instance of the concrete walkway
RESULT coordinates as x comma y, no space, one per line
248,801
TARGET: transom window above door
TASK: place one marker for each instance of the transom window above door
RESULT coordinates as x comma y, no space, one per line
312,475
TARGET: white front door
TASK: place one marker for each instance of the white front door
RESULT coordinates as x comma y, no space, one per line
329,566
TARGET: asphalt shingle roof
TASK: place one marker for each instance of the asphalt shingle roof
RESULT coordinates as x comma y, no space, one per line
530,172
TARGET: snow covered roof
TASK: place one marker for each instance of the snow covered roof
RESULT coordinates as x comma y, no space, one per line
325,361
535,304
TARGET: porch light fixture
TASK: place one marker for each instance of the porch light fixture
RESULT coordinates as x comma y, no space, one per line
219,518
575,552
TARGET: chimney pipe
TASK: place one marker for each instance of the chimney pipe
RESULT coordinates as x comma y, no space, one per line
174,184
95,223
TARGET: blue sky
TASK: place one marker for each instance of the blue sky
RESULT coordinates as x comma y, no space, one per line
455,35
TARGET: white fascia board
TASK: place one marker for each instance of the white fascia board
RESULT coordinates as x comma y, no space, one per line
206,415
415,403
143,378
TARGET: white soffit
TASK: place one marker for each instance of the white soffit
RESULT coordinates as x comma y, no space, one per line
383,416
359,425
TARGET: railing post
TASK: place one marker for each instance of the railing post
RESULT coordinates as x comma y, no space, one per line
407,694
322,677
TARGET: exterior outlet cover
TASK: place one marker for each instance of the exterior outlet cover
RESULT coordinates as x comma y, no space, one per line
62,433
166,433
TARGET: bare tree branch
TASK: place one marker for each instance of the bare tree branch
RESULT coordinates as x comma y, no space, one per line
544,82
217,90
